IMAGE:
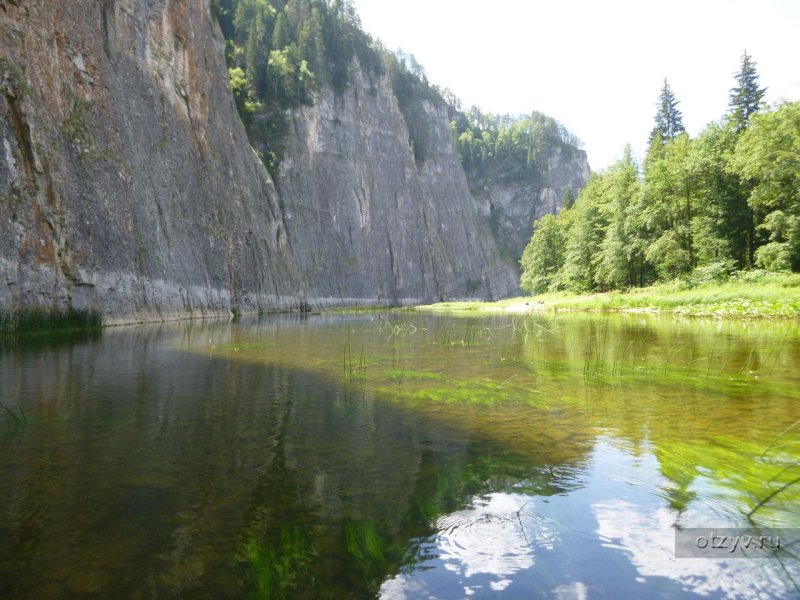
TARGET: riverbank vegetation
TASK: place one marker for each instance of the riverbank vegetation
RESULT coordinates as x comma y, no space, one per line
698,209
747,294
34,320
281,53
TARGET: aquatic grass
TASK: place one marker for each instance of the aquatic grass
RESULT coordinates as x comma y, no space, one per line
354,368
738,467
472,391
411,374
37,320
792,467
397,329
14,418
470,337
564,357
282,568
312,463
780,436
367,549
240,346
447,335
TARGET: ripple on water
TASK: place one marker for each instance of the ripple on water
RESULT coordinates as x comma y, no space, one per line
482,547
493,536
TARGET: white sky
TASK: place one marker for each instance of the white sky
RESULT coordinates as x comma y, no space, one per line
595,65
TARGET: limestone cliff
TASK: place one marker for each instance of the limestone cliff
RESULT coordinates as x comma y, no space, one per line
512,205
390,227
128,185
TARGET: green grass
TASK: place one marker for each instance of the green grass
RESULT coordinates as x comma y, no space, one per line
35,320
743,466
474,305
746,295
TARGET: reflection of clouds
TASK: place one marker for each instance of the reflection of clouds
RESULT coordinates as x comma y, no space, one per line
487,538
648,537
481,547
611,537
571,591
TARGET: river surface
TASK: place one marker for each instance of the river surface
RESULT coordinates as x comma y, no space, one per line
398,455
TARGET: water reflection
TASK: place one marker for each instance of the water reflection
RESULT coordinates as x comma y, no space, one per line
609,537
479,547
447,458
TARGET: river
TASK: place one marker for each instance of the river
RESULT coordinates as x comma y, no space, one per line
398,455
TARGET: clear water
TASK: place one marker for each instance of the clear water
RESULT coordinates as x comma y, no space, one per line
397,455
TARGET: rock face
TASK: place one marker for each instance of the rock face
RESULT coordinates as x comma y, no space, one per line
392,228
127,184
511,205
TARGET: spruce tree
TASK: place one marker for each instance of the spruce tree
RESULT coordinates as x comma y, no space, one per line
280,35
669,120
746,97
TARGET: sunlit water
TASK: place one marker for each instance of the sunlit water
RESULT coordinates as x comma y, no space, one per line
397,455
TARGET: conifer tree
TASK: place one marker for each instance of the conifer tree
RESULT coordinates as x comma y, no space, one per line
669,120
746,97
280,35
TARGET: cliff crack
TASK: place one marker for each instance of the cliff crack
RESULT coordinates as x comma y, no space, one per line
22,133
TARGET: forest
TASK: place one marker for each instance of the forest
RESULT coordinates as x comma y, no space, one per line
281,53
698,209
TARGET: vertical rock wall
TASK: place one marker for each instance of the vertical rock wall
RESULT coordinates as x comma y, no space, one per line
392,227
127,183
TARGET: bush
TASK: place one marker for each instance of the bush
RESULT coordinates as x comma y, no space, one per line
717,272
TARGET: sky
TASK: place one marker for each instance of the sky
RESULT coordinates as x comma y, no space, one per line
595,65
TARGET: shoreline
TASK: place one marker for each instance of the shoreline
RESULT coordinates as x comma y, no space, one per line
752,296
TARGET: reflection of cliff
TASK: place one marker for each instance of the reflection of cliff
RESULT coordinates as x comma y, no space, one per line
367,481
212,469
190,472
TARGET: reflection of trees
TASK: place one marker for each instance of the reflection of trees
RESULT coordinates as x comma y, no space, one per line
207,471
706,397
656,383
352,492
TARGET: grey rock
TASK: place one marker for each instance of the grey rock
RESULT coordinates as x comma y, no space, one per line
512,207
128,185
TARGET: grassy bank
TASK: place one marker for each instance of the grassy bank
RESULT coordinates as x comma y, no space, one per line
745,295
37,320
